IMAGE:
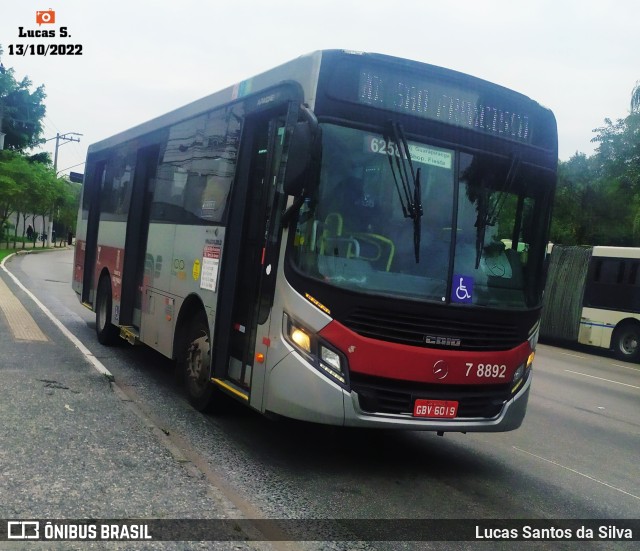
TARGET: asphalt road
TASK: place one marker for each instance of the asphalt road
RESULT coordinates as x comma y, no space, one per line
575,457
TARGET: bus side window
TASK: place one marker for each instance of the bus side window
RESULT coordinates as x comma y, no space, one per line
597,271
633,274
197,167
205,197
168,194
116,184
193,196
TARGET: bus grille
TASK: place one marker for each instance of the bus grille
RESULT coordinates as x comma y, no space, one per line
412,329
378,395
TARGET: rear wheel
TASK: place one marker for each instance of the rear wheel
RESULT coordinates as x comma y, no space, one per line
626,342
194,361
105,330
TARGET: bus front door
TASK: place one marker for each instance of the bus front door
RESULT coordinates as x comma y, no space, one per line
251,248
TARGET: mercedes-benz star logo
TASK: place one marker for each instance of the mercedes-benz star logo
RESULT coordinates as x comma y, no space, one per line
440,369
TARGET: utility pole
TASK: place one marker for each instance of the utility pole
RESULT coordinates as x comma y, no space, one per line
66,138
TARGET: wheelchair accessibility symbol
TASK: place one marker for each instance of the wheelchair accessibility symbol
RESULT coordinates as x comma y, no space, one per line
462,289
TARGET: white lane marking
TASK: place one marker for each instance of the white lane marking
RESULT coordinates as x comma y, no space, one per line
592,357
577,472
627,367
601,379
574,355
77,343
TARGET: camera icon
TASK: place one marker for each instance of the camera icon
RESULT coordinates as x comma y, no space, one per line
45,17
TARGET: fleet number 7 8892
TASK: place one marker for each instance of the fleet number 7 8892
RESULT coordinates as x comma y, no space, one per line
486,371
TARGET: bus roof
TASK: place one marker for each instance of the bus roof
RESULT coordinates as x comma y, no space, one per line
303,70
617,252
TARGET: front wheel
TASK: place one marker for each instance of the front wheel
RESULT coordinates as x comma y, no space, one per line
626,342
105,330
194,361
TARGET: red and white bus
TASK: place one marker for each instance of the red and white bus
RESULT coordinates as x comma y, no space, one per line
349,238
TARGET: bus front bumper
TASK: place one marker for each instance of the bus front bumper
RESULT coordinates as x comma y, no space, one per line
297,390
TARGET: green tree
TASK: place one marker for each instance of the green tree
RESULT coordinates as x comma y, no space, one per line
27,187
574,212
598,197
618,158
28,184
15,173
46,192
21,111
9,189
67,213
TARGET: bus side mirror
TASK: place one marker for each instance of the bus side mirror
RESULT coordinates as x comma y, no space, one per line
304,155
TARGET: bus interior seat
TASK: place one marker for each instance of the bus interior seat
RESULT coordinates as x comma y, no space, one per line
375,248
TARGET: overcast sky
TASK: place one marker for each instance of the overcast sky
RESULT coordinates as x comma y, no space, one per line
142,58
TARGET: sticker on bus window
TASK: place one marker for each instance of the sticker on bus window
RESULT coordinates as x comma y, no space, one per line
462,289
210,267
419,153
208,210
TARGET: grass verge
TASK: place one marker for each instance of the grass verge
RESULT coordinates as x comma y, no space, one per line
6,252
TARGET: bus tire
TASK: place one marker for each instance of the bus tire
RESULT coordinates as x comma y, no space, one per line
194,360
626,342
105,330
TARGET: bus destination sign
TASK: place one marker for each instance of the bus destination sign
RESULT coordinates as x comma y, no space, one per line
440,101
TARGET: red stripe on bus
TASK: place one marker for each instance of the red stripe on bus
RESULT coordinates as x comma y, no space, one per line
415,363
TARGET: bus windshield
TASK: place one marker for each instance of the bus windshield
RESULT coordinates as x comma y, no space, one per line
483,220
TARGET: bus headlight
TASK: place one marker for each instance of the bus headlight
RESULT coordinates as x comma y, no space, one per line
320,354
330,358
300,338
519,373
517,378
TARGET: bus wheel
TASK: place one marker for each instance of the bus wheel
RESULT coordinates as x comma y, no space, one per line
194,361
626,342
105,330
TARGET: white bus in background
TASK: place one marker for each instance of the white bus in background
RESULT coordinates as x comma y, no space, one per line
593,297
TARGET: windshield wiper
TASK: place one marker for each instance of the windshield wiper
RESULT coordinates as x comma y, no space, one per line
489,216
411,203
481,223
417,201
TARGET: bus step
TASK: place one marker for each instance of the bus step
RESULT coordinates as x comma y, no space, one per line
231,388
130,334
88,305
